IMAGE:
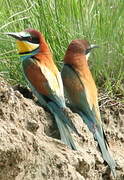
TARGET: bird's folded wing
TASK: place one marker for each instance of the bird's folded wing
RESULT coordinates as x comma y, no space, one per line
79,97
45,81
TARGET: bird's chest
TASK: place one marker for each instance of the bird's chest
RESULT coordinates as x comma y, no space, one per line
89,85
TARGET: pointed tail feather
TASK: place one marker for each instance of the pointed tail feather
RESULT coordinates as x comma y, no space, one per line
63,125
65,133
105,153
67,121
103,144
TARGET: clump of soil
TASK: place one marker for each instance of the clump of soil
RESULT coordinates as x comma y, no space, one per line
30,147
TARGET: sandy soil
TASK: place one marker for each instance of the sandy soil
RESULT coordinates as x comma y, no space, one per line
30,148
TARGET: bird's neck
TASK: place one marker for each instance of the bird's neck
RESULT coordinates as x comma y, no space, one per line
77,61
44,48
44,51
45,58
80,64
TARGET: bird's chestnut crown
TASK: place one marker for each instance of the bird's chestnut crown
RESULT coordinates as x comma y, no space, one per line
33,36
81,46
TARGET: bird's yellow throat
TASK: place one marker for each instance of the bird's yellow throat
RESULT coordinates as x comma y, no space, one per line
24,46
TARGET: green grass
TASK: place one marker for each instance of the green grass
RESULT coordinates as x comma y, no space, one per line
99,21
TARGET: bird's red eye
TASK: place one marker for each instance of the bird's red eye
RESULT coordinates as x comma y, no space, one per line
30,38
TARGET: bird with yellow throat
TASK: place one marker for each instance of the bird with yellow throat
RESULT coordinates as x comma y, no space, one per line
44,79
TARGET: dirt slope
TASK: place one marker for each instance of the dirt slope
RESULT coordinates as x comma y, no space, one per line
30,150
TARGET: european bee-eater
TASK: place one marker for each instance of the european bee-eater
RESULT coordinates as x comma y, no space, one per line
82,92
44,79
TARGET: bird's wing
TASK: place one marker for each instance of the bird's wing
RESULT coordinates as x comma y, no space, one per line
54,83
78,94
44,81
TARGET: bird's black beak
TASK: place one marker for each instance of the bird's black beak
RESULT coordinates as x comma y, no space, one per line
19,35
92,46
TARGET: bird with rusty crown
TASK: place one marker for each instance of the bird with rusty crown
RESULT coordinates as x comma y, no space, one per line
82,93
44,79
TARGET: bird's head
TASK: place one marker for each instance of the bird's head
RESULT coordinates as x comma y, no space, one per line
28,42
80,47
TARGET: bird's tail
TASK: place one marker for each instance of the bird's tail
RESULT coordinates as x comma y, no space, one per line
103,145
64,125
105,153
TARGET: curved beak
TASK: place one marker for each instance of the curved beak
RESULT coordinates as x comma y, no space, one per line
18,35
93,46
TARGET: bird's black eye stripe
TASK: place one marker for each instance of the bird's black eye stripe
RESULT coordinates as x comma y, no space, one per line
35,40
87,51
31,39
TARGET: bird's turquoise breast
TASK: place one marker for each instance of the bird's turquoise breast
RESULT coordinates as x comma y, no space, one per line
28,55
